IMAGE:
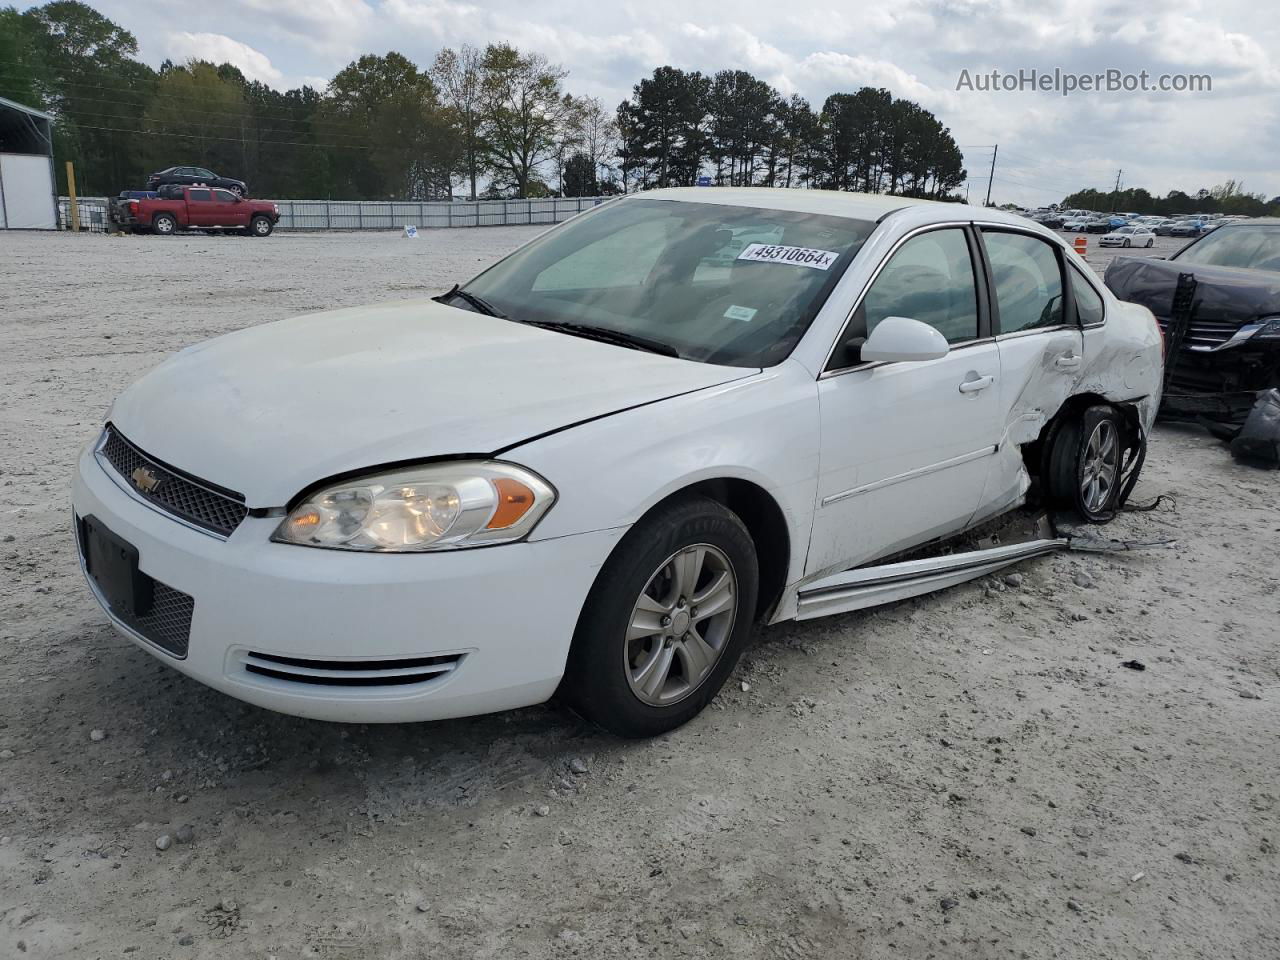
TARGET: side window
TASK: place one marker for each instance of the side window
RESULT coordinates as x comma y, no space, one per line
929,279
202,173
1028,281
198,195
224,196
1088,302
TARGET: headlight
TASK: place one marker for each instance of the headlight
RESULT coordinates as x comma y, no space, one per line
439,506
1269,330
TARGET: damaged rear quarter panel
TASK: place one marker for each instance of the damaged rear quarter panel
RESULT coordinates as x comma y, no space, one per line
1121,361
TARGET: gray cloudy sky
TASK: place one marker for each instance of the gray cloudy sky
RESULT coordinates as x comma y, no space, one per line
1049,145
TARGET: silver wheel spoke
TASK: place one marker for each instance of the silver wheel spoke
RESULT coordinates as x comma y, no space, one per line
687,566
646,619
696,655
715,598
654,675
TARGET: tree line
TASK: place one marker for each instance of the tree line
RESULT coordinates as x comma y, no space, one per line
1228,199
496,121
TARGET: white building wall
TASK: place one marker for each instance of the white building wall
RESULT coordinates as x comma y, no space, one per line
26,192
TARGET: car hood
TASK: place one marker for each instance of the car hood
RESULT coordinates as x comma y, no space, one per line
272,409
1223,294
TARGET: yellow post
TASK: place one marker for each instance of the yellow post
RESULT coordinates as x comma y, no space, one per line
71,196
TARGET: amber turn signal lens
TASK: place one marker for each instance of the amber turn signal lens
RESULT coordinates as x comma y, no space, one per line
514,501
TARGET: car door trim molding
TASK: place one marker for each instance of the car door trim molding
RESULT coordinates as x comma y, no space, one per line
911,474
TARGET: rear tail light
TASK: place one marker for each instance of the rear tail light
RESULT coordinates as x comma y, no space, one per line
133,206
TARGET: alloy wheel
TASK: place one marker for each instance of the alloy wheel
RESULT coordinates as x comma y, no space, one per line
680,625
1101,464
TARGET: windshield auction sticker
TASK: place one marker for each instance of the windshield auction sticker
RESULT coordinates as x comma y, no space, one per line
796,256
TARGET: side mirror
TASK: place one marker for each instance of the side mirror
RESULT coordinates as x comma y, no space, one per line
901,338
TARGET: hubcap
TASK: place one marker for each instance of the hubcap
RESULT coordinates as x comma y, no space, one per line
680,625
1101,463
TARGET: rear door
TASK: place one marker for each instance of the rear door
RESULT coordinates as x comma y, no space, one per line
201,210
1040,344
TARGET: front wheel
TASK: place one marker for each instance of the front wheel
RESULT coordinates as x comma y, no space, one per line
238,190
666,620
260,227
1126,243
1084,463
1150,243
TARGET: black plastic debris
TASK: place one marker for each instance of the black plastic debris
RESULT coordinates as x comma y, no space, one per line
1258,441
1133,665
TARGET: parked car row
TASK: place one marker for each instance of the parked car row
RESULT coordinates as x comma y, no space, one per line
1086,221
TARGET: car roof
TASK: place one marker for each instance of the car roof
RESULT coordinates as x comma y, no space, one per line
833,203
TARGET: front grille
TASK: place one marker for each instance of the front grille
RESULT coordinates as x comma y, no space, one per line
210,508
397,673
1203,335
168,623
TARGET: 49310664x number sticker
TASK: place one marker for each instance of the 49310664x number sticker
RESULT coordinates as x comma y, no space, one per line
795,256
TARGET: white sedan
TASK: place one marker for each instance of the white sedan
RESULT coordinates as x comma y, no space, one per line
595,467
1134,236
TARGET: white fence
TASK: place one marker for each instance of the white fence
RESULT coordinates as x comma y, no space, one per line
383,215
377,214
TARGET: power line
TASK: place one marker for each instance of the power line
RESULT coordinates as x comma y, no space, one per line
278,143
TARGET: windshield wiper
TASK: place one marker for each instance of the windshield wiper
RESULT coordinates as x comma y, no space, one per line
478,303
632,340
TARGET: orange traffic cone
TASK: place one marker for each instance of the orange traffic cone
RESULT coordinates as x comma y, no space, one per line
1081,246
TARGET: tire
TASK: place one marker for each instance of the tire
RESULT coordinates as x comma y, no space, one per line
1126,243
641,684
260,226
164,225
1082,472
1151,243
237,190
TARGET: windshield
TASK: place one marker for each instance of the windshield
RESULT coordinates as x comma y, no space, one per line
721,284
1254,247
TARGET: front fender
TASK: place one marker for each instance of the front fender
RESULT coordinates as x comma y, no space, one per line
610,471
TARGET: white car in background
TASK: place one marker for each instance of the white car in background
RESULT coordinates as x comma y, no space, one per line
1132,236
595,467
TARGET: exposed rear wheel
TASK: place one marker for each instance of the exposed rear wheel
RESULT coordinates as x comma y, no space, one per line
665,622
164,224
1084,464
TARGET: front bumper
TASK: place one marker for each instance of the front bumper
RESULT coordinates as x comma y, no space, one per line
318,625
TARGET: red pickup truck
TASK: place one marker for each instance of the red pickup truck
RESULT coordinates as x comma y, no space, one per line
197,208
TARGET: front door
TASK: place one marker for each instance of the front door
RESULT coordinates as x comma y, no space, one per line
906,446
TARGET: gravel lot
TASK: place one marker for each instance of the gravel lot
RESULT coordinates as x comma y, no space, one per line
972,774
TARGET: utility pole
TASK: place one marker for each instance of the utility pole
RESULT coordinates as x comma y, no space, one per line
990,179
1115,193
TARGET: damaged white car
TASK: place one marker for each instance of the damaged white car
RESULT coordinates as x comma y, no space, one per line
595,467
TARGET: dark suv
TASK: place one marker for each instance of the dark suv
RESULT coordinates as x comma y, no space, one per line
196,177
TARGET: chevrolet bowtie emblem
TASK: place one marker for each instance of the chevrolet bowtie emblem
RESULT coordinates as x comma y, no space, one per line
145,479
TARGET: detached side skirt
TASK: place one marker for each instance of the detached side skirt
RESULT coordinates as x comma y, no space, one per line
887,583
872,586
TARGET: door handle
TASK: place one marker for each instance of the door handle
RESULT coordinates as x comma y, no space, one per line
1068,361
975,384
